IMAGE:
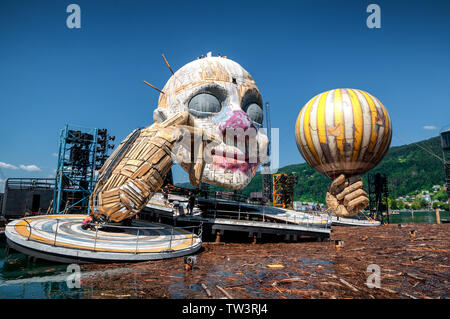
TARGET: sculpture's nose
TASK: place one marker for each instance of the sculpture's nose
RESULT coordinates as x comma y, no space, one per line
238,119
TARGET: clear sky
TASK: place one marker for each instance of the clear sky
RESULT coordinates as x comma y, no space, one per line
51,75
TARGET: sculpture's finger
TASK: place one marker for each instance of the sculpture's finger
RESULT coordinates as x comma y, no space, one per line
196,168
183,118
356,203
339,189
349,189
196,133
336,183
349,197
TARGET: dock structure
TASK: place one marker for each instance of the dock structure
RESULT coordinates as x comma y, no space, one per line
220,215
61,238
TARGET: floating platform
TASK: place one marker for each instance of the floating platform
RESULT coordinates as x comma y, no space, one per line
60,238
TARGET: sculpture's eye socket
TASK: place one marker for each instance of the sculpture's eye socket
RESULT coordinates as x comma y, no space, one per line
204,104
255,113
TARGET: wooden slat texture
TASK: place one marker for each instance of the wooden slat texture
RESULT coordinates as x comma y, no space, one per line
140,172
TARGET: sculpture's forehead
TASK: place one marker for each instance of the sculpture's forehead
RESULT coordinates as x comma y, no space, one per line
208,70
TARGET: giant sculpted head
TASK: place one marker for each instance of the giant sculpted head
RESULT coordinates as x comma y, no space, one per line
221,97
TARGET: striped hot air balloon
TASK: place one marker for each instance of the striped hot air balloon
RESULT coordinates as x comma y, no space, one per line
343,131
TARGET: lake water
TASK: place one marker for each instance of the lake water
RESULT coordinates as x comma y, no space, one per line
20,277
408,217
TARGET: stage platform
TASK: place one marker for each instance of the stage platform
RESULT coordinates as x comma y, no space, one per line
220,215
60,238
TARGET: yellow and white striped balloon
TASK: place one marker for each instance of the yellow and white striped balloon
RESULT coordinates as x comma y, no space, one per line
343,131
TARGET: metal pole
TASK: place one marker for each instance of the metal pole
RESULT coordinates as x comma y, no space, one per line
137,241
29,235
91,179
95,242
170,243
62,146
56,232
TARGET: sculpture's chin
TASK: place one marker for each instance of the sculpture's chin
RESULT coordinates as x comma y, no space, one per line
235,178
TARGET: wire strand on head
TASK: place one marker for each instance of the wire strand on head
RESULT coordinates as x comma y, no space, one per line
165,60
154,87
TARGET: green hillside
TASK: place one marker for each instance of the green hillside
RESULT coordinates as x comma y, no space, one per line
408,168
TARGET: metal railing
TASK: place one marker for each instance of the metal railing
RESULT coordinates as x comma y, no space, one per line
29,183
230,196
244,211
196,232
308,220
349,220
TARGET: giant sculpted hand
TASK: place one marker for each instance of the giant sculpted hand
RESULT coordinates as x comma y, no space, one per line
345,196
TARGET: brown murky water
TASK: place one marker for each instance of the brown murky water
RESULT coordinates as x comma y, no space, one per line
416,267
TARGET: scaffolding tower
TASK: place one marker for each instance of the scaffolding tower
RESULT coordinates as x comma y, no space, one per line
445,144
378,196
82,153
283,189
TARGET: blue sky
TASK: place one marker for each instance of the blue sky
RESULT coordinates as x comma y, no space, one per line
51,75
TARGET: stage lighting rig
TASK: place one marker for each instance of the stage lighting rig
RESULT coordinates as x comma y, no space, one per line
82,151
102,141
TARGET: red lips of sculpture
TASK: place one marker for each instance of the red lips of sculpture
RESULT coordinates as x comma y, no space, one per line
235,160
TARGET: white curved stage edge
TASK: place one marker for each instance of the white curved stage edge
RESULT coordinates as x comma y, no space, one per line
60,238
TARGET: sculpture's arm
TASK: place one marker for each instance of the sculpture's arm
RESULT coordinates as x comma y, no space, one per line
136,170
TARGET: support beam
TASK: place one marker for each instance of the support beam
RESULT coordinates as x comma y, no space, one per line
438,216
218,236
254,239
